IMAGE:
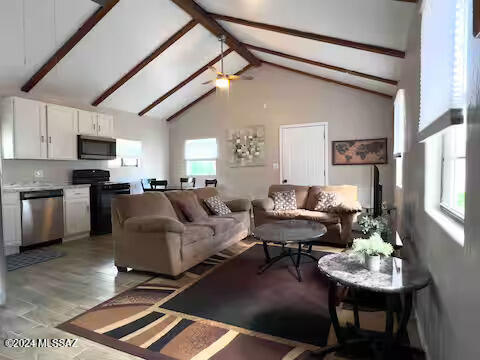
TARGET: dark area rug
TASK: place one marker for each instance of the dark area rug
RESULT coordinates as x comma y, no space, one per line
31,257
273,303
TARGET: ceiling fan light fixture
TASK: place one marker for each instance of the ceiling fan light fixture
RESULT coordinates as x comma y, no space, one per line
222,83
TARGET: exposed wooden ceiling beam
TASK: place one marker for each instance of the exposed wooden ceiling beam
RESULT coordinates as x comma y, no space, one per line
328,80
184,82
70,44
210,92
320,64
199,14
307,35
145,62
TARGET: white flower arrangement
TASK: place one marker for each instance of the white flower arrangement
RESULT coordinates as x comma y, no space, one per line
373,246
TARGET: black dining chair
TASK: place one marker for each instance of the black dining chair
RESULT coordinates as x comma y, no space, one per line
155,183
211,182
147,183
187,180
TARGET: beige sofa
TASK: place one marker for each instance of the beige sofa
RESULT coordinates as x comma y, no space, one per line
152,234
338,221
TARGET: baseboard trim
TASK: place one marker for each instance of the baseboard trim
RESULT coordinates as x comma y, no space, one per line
421,336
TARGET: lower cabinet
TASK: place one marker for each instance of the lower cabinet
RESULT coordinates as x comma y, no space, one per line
12,226
77,212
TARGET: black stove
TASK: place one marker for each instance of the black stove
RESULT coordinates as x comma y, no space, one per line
102,191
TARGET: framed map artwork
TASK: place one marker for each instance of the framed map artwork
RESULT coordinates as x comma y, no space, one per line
359,152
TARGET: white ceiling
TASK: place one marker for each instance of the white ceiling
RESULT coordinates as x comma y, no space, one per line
32,30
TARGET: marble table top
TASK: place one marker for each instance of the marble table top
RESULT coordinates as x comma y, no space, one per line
395,276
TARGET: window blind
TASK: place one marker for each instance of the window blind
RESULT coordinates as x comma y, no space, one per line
443,48
399,124
201,149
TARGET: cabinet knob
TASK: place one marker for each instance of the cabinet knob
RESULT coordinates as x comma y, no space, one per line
42,138
49,139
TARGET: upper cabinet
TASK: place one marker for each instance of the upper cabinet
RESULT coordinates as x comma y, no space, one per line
87,123
90,123
35,130
24,129
62,140
105,125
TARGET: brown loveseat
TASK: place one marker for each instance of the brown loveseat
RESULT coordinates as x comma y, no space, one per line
151,233
338,220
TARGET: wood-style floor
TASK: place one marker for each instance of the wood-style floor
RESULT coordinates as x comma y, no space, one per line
41,296
44,295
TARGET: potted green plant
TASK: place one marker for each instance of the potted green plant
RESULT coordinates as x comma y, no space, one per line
380,225
372,248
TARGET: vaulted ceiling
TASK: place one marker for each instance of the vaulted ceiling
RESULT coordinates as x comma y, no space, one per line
151,56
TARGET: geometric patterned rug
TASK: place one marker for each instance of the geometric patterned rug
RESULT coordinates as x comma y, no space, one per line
141,322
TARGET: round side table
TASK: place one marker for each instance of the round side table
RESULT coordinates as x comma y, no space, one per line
396,277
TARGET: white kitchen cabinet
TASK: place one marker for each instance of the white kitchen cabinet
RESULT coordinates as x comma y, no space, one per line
61,132
87,123
24,129
105,125
12,231
77,212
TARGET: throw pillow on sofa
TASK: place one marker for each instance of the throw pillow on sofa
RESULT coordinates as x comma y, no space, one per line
192,209
284,200
326,200
217,206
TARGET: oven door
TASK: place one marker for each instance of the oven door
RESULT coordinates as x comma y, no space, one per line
101,214
96,148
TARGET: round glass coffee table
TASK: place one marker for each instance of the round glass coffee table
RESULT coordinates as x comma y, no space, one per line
288,232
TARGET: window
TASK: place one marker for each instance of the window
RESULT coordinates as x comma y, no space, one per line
399,136
129,153
453,172
201,157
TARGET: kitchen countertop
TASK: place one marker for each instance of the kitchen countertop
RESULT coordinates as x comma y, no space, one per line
12,188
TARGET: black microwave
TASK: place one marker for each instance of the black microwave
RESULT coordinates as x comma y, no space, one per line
96,148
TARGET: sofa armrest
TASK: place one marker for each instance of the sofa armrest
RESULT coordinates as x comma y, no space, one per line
153,223
239,205
264,204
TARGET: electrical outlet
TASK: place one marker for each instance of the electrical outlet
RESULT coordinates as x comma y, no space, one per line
37,174
275,165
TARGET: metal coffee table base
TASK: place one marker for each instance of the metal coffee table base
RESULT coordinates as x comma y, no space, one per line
295,256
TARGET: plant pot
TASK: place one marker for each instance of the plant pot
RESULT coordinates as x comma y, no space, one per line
372,263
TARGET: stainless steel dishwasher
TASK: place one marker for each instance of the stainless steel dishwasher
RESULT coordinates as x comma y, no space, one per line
42,216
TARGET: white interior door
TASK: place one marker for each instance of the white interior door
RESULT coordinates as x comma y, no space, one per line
303,154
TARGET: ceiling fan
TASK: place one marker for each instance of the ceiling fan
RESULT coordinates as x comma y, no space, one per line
222,80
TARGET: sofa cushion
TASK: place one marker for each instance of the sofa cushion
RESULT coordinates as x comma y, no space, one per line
242,217
181,199
284,200
301,193
326,200
194,233
303,214
147,204
348,193
191,208
218,224
205,193
217,206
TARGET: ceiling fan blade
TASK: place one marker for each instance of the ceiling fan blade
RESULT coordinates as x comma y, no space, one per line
214,69
233,77
247,77
208,82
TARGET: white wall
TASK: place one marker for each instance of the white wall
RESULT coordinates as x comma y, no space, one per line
278,97
448,309
153,133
